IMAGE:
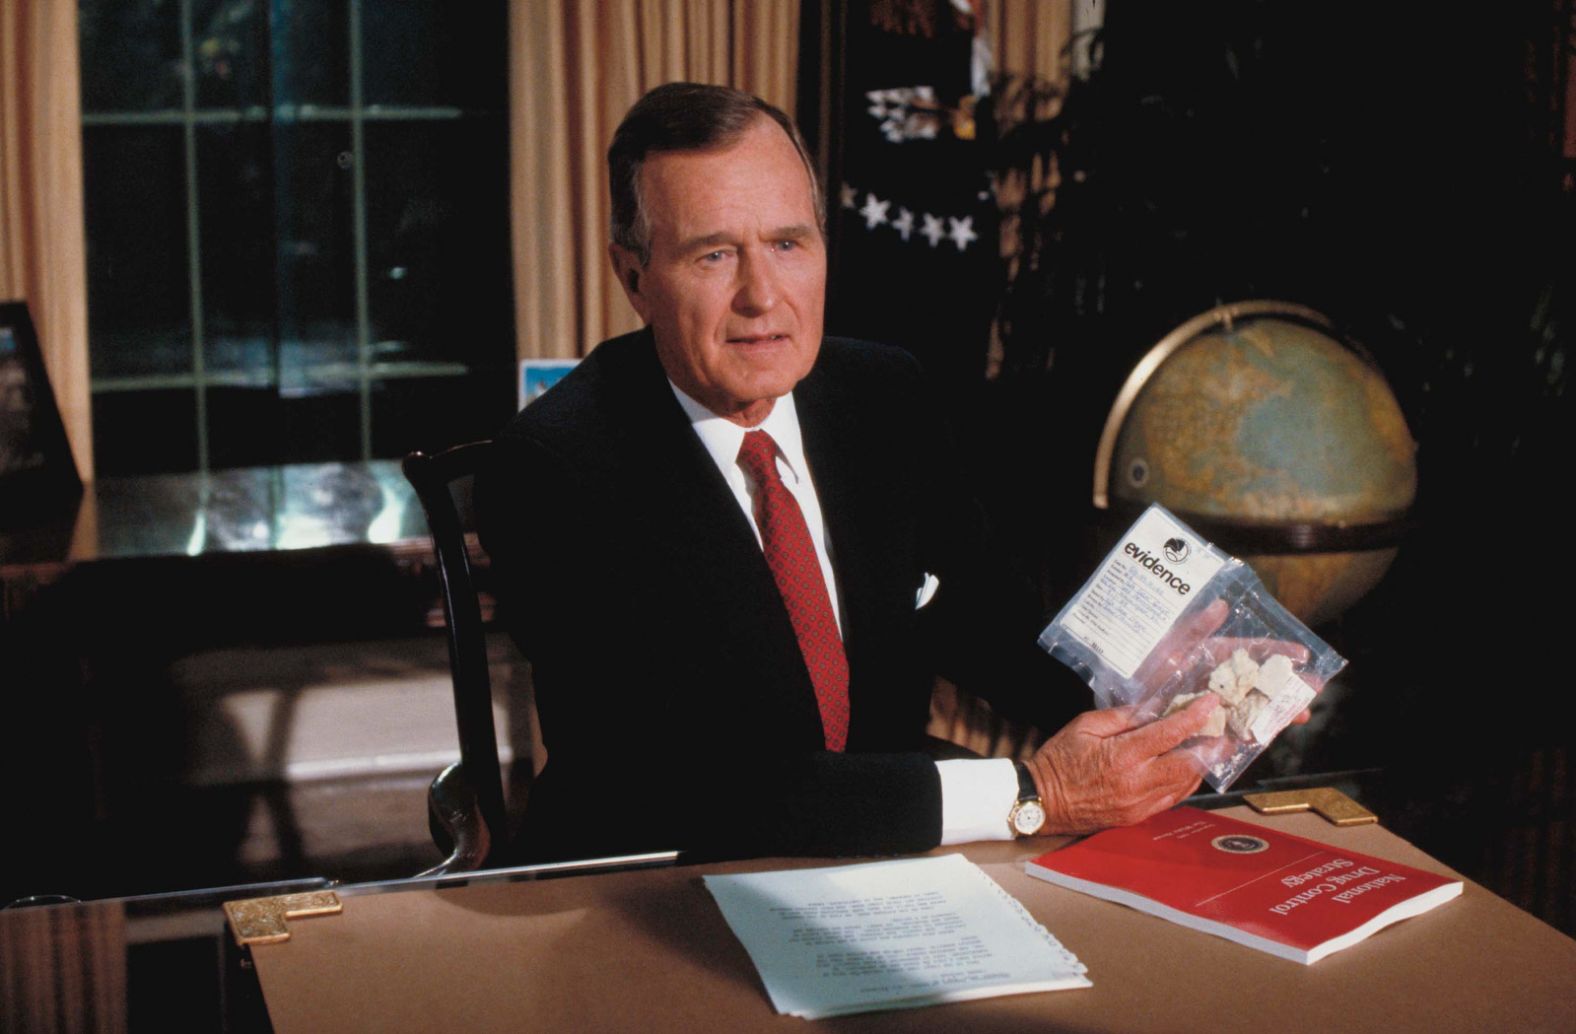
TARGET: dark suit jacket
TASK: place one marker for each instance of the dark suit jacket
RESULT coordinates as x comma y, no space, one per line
674,703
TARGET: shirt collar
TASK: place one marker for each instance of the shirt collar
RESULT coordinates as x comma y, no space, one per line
722,438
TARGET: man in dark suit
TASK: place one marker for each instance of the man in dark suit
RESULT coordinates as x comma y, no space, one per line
737,554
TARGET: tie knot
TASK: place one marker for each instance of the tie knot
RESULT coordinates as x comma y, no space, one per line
758,456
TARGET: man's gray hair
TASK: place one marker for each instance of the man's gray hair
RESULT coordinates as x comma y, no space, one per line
684,117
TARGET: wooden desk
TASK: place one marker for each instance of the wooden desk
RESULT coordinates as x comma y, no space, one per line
650,951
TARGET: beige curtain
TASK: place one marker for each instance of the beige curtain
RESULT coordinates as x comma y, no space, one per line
64,969
1030,38
575,67
41,238
1027,37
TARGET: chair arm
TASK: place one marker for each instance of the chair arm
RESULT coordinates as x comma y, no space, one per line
455,818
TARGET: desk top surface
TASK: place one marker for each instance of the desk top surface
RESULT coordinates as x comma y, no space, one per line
650,950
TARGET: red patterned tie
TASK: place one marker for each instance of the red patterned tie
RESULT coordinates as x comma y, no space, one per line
791,556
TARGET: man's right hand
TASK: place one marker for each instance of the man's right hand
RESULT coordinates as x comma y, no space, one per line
1101,771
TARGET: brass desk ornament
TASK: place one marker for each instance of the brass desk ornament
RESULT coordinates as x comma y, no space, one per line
1332,804
262,920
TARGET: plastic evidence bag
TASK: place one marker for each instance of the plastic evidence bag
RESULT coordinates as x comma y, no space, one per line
1167,617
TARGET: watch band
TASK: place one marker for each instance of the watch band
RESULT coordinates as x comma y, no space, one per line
1026,786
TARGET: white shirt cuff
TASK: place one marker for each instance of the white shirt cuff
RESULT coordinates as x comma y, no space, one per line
976,796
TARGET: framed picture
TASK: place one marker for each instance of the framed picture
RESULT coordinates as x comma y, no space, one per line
36,467
537,375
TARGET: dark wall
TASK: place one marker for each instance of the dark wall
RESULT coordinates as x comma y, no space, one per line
1400,169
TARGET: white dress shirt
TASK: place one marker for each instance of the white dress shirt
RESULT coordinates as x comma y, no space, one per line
976,795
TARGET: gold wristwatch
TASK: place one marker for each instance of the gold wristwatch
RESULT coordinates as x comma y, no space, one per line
1028,814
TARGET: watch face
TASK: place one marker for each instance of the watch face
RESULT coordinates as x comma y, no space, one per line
1028,817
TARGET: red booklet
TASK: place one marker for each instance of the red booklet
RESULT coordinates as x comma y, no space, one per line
1291,897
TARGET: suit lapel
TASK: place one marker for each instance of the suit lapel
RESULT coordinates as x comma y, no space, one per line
827,448
701,535
849,484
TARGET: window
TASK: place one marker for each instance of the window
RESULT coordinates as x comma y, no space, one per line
297,229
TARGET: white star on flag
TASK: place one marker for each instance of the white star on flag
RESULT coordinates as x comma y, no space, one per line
933,230
962,231
904,223
875,212
847,195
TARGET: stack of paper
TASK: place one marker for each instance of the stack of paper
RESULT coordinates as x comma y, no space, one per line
856,938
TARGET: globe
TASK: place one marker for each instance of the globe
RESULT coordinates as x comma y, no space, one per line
1280,442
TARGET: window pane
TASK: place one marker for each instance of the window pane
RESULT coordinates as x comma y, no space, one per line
244,427
130,55
431,413
154,431
230,53
434,52
317,294
311,52
283,375
318,425
235,193
139,299
438,242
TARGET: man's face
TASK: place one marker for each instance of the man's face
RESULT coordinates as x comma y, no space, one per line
735,285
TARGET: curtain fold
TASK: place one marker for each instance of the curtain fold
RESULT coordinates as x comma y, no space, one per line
1029,37
64,970
42,250
575,67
